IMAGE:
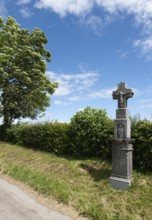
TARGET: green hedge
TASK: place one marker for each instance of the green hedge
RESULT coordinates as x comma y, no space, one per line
87,134
50,137
142,154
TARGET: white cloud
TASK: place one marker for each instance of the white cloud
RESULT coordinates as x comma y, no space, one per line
146,106
121,54
63,89
25,12
94,23
23,2
80,87
75,98
102,94
59,102
64,7
3,10
135,91
105,93
148,90
140,9
70,84
145,45
145,101
80,109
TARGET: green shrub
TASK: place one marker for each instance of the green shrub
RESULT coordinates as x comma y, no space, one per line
142,154
90,131
13,134
87,135
51,137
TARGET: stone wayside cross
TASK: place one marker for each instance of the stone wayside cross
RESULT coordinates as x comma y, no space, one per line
121,142
122,94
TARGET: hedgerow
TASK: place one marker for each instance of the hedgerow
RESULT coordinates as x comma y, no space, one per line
48,136
142,154
87,134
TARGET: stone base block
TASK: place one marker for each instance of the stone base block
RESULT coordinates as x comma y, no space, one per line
119,183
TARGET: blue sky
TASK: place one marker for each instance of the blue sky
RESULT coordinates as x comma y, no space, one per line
95,44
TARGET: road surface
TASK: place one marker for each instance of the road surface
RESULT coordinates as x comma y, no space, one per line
16,204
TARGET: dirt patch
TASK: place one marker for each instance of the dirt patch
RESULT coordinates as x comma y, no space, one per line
46,201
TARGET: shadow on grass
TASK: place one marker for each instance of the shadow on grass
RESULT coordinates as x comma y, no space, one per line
97,173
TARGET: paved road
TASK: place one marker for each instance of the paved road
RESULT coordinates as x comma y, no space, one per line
15,204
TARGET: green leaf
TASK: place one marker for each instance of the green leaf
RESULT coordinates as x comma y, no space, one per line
23,84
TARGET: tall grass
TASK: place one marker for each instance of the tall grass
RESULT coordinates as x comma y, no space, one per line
82,183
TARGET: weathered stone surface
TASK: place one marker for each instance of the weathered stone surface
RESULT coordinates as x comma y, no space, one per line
122,94
121,176
120,183
122,160
122,113
122,124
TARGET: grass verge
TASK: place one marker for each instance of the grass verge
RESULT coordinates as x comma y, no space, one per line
81,183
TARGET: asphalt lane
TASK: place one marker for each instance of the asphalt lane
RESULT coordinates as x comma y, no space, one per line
16,204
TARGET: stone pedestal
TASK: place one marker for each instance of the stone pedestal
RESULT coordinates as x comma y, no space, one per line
121,176
120,183
121,163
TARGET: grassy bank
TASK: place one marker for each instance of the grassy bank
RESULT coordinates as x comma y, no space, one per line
80,183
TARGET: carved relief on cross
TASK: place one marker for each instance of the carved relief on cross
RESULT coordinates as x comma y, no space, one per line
122,94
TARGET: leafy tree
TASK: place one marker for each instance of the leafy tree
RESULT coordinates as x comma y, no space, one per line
24,87
90,131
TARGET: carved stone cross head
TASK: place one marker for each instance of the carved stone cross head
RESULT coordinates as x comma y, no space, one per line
122,94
